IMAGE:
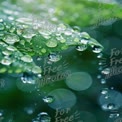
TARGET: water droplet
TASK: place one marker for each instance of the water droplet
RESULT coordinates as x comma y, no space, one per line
28,33
44,117
36,70
43,50
97,49
76,28
29,110
100,55
104,91
114,115
12,29
99,76
100,68
11,38
28,79
54,57
6,52
61,27
1,20
39,76
111,106
63,41
84,41
11,48
103,81
81,48
106,71
1,113
6,61
85,35
48,99
1,26
100,63
26,58
51,43
68,32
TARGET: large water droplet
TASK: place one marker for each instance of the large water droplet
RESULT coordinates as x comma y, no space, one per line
51,43
11,38
48,99
26,58
54,57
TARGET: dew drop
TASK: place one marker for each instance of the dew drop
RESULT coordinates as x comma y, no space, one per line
39,76
81,48
84,41
54,57
104,91
6,52
97,49
114,115
99,76
48,99
1,20
11,38
100,55
28,79
51,43
111,106
43,50
6,61
106,71
85,35
29,110
103,81
68,32
76,28
26,58
36,70
28,33
11,48
44,117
